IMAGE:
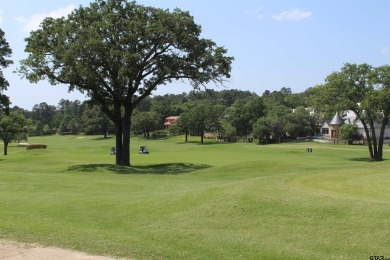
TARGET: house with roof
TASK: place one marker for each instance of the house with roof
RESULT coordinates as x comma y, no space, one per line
331,128
349,117
170,120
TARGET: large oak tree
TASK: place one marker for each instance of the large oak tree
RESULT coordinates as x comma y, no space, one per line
118,53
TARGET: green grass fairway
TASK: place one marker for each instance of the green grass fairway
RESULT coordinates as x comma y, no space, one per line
192,201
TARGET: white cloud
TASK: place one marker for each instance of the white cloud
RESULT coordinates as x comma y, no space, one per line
33,22
295,14
385,50
257,13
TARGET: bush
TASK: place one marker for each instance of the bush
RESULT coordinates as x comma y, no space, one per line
159,134
347,132
174,130
36,146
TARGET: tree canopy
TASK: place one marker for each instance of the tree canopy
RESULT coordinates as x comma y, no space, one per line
201,117
5,53
146,122
118,53
348,132
13,127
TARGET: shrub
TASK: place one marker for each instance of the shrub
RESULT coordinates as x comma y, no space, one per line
159,134
347,132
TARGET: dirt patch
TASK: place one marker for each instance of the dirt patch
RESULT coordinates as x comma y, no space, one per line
10,250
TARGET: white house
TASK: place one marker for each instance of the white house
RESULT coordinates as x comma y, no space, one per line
330,128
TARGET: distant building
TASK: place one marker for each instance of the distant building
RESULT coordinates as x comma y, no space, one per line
324,128
170,120
331,128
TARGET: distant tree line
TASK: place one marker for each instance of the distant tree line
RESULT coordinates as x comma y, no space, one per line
68,117
230,114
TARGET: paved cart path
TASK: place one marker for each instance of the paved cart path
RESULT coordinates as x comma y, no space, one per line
10,250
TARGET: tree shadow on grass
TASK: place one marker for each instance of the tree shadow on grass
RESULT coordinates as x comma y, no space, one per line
205,143
102,138
159,169
365,159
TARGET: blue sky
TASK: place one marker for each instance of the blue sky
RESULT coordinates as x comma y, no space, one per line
276,43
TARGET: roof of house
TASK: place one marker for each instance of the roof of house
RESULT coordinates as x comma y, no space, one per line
336,120
351,119
172,118
325,124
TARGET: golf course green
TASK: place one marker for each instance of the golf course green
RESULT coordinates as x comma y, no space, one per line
193,201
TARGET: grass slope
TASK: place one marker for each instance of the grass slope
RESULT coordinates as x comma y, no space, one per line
211,201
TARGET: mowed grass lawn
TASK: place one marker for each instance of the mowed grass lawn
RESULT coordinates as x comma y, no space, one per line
192,201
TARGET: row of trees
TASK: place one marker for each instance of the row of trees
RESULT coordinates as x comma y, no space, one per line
68,117
230,112
248,117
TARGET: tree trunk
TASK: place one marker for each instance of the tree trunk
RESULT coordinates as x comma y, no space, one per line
201,137
381,138
380,150
125,159
118,136
368,136
5,147
374,141
186,138
126,142
105,129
